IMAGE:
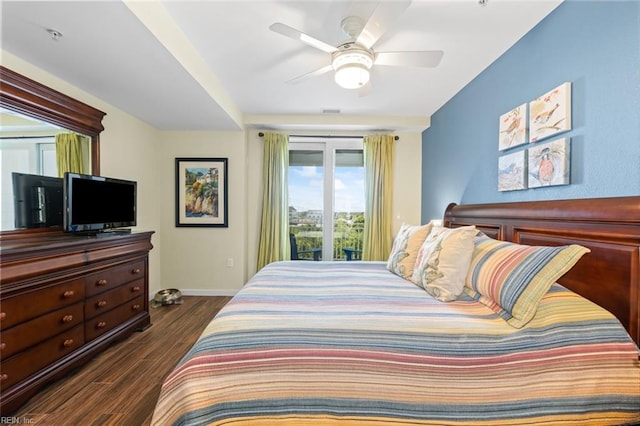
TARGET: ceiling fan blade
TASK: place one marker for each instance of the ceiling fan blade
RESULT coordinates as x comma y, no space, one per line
385,14
308,75
287,31
424,59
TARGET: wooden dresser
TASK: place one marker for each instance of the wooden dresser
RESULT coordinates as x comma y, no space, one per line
63,299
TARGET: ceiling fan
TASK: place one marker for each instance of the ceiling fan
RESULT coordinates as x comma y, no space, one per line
352,60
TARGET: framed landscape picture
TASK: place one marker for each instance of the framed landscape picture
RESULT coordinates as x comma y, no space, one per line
201,192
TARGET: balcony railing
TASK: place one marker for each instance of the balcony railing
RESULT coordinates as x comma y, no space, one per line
345,236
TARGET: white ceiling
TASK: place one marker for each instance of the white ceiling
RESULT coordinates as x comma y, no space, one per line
215,65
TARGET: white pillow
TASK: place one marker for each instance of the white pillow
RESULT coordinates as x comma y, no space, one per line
405,248
443,261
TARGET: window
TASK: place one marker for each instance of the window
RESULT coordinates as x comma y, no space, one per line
24,155
326,203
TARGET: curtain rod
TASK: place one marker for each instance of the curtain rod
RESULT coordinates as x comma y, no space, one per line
28,137
329,136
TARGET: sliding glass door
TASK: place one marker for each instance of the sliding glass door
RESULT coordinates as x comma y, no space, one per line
326,197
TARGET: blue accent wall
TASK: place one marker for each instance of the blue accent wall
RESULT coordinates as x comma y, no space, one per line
595,45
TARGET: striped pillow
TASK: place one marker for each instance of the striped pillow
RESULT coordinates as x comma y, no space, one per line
511,278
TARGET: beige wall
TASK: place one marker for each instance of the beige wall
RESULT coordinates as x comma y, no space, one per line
127,151
407,187
195,259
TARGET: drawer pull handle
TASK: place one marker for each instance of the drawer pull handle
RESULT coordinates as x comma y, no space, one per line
102,303
101,324
135,271
3,346
135,288
135,307
68,343
3,315
101,282
3,377
69,293
67,318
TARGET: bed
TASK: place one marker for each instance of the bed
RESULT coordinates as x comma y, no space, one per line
351,343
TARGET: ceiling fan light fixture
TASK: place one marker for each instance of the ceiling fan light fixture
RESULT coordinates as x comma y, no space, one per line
352,68
352,76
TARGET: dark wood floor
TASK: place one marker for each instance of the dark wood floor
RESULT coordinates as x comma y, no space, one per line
121,385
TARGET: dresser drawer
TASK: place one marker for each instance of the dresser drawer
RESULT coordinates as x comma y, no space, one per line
111,278
105,322
110,299
22,365
23,307
20,337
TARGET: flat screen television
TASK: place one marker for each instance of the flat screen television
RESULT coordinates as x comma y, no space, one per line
94,204
37,200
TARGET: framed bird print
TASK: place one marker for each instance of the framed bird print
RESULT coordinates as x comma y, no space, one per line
513,125
549,164
512,171
550,114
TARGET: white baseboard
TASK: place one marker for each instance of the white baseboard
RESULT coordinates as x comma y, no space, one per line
206,292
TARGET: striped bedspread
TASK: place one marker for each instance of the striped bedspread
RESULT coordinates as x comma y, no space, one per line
340,343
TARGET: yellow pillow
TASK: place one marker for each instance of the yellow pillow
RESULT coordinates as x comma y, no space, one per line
405,249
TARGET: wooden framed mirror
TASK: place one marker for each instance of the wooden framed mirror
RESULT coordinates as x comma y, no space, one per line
27,97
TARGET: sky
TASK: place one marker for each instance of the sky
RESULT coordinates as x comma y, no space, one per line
305,188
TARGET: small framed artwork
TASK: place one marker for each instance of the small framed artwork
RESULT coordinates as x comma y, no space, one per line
550,114
549,164
513,125
201,192
512,172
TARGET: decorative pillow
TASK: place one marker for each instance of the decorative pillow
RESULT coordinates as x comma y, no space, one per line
405,249
511,278
443,261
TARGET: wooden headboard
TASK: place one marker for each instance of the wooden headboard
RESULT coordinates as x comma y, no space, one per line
610,227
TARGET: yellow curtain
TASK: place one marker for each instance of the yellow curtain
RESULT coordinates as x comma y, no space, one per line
72,153
379,152
274,229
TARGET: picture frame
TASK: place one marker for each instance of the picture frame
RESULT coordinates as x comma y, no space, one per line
550,114
202,192
549,163
513,128
512,171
